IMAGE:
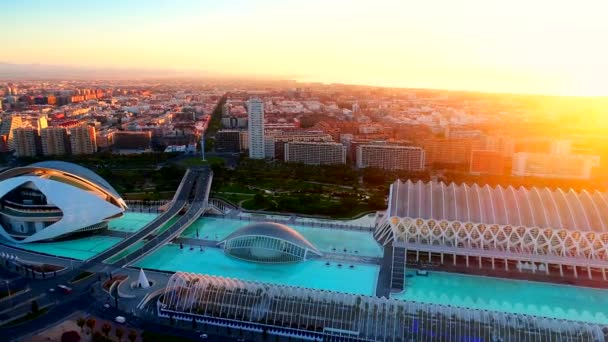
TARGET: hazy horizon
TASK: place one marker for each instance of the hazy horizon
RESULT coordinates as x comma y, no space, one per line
486,46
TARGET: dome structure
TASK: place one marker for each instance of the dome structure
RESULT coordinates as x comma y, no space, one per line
268,242
49,200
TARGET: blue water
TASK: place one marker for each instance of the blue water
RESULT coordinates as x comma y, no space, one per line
326,240
80,249
310,274
513,296
131,222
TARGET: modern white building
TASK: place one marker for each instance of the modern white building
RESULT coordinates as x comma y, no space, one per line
321,315
552,231
53,199
255,114
268,242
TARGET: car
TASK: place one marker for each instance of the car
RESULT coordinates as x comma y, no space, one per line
120,319
204,336
106,305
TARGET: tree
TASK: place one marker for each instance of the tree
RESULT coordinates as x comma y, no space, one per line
132,336
106,328
119,333
35,307
91,324
81,322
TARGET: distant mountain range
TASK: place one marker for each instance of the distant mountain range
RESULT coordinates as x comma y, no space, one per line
46,71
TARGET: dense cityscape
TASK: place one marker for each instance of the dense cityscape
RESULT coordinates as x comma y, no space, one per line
386,187
303,171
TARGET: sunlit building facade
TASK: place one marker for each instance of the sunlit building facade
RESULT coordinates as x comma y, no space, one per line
315,153
255,114
390,157
549,231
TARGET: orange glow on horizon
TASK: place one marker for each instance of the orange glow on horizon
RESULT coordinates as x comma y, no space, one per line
542,46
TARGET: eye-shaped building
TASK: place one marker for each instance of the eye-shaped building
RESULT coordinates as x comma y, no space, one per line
53,199
268,242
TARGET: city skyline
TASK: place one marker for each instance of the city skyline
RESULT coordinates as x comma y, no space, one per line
477,46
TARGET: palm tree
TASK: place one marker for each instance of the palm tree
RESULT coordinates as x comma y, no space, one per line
80,322
119,333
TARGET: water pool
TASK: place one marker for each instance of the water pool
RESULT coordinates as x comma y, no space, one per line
513,296
80,249
131,222
310,274
213,228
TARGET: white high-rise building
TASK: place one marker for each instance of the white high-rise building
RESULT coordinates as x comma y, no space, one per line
255,114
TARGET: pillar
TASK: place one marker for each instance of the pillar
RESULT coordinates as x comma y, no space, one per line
561,271
467,258
454,259
430,257
589,272
575,271
547,268
506,265
417,255
604,273
479,259
441,258
493,267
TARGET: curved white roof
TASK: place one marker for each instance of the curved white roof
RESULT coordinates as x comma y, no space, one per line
274,230
535,207
84,198
70,169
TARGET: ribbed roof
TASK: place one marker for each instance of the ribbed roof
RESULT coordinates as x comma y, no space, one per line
535,207
274,230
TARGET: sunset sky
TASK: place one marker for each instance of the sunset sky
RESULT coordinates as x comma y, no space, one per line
522,46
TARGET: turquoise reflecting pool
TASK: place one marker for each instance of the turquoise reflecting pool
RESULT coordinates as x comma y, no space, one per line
80,249
131,222
310,274
513,296
355,242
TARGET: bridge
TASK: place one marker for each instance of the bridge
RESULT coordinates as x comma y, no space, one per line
200,189
197,181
